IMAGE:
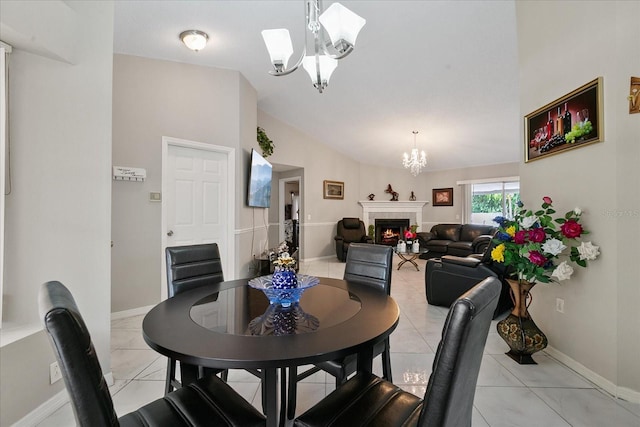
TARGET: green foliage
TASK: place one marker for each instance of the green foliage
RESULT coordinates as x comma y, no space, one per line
492,203
266,145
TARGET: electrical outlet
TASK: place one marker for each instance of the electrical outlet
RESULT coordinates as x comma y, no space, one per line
54,372
560,305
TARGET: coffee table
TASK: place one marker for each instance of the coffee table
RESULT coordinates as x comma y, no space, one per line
409,257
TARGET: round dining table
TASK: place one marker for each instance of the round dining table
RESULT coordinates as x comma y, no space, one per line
231,325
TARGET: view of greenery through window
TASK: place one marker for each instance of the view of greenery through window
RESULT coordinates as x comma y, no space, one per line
489,200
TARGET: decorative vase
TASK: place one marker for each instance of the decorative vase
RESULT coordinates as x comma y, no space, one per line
284,278
518,329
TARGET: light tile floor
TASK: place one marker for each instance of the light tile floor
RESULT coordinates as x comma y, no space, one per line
547,394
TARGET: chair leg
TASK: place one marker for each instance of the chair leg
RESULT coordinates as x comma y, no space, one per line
171,374
293,390
386,362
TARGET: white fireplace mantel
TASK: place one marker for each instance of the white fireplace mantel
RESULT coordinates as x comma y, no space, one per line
381,209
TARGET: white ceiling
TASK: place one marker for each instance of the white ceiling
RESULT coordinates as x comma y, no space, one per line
445,68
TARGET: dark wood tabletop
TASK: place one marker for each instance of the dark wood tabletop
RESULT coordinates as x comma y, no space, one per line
209,326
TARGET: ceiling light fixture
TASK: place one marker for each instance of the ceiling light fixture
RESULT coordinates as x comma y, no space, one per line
414,162
342,26
194,39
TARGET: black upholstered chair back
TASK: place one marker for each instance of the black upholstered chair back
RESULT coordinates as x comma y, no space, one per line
370,264
192,266
448,400
88,391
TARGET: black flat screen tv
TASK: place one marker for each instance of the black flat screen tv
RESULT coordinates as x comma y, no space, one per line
260,175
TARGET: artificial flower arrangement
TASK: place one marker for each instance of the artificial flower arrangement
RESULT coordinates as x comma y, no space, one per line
285,261
531,243
411,234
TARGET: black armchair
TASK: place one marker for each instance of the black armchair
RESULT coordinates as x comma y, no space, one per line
350,230
448,277
209,401
366,400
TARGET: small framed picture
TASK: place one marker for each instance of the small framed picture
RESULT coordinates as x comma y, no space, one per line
333,190
442,197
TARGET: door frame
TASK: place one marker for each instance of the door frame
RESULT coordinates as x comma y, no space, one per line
229,264
281,203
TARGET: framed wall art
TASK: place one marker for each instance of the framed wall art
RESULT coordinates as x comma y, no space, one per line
442,197
573,121
333,190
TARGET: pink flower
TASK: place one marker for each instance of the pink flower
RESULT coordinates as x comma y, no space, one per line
537,258
537,235
547,200
520,237
571,229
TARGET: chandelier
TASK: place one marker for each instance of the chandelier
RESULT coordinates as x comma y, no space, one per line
342,26
414,162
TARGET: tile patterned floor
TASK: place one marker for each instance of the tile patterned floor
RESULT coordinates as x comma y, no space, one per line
510,395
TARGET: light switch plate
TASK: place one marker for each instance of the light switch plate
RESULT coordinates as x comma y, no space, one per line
155,196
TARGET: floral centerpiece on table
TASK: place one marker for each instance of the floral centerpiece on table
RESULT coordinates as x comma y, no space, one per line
532,243
411,234
284,274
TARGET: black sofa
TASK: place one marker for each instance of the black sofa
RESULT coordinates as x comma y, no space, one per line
455,239
350,230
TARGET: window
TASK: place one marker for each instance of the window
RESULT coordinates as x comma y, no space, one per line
490,199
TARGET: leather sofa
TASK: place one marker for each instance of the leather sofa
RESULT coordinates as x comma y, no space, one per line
455,239
350,230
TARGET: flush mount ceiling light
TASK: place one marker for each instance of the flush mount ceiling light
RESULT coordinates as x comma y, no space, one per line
194,39
414,162
342,27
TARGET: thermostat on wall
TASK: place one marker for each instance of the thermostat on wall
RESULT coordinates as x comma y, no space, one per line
122,173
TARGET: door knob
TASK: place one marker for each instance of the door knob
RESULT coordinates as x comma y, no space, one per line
170,233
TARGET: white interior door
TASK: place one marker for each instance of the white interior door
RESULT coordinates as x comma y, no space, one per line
196,199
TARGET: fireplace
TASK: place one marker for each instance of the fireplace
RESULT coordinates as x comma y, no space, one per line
389,231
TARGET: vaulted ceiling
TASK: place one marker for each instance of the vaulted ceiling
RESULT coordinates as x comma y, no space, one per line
448,69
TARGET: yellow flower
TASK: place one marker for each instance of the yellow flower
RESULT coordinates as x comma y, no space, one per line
497,254
511,230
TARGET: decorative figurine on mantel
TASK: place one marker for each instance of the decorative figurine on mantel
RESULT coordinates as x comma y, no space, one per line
371,196
394,194
412,197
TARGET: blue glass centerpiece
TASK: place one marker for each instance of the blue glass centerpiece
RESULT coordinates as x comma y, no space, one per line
283,296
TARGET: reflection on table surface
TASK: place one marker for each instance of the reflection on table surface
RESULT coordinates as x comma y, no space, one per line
246,311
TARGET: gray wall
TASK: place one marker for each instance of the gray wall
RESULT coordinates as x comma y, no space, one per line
599,328
152,99
58,213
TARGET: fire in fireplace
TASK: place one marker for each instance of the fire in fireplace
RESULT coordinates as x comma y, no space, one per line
389,231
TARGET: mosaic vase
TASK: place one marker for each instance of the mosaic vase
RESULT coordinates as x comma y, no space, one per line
518,329
284,278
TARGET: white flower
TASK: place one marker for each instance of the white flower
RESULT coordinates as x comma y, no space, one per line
563,271
588,251
577,211
528,221
553,247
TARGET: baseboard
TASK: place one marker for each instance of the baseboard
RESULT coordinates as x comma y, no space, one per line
318,258
611,388
43,411
130,313
47,409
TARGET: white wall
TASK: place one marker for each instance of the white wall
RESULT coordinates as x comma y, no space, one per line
58,213
599,329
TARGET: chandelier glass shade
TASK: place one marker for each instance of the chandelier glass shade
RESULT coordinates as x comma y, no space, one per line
334,34
415,162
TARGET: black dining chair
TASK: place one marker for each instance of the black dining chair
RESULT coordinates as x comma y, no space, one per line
448,401
206,402
370,265
189,267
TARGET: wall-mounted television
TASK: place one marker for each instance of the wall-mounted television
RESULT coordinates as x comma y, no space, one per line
260,175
